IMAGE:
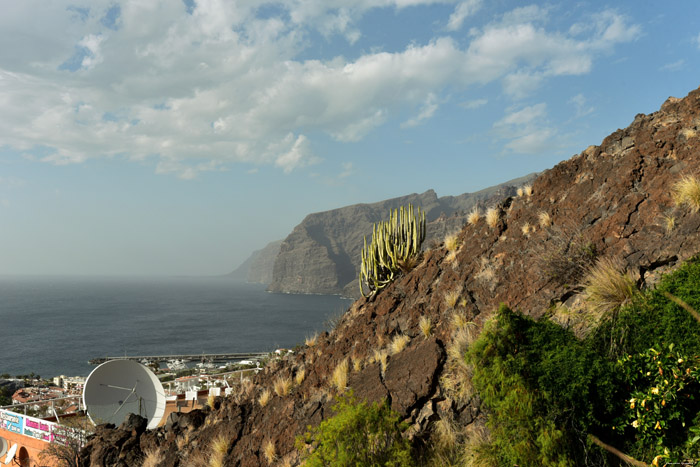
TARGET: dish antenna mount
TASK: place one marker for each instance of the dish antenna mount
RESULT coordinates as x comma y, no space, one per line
118,388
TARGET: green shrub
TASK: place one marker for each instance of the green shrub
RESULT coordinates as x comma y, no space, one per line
663,404
359,434
544,390
652,320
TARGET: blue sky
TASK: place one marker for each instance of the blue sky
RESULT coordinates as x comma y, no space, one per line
165,137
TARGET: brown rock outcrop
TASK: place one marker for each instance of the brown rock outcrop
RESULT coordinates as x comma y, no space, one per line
614,199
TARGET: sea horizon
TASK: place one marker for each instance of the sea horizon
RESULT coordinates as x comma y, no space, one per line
53,324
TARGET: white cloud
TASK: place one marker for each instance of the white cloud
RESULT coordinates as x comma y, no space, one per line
527,130
348,170
202,90
426,112
474,104
462,11
581,105
674,66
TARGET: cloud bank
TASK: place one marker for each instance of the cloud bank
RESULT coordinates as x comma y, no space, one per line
202,85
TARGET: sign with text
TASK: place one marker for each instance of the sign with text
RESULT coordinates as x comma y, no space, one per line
38,429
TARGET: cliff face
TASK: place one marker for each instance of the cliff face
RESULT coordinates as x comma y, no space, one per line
614,198
322,254
257,269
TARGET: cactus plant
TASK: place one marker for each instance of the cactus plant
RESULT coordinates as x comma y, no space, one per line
395,246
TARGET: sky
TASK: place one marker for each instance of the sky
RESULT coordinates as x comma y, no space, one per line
147,137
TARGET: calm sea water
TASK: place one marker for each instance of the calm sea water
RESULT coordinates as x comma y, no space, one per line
54,325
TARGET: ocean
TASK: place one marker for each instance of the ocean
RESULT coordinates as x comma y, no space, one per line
53,325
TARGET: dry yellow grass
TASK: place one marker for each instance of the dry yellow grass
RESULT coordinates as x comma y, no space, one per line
686,191
210,401
381,357
475,451
452,242
474,216
282,386
153,458
426,326
219,448
527,189
460,321
607,287
669,223
545,219
526,229
399,343
339,378
270,452
300,376
264,397
445,434
492,217
520,192
356,364
451,298
311,341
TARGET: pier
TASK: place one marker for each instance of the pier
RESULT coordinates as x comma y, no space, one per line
209,357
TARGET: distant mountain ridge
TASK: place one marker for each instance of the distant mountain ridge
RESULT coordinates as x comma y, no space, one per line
322,254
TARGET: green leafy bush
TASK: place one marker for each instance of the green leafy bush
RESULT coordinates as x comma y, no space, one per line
663,404
543,388
359,434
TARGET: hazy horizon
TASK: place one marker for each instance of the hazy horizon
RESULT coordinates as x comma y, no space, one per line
175,138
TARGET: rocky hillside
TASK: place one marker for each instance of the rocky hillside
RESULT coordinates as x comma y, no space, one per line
322,254
613,199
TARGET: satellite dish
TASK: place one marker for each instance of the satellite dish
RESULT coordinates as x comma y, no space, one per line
118,388
3,446
11,454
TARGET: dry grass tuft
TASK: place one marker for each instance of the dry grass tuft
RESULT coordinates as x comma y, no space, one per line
520,192
300,376
219,448
452,242
182,441
460,321
426,326
545,219
526,229
339,378
607,287
399,343
211,399
264,397
450,259
270,452
282,386
153,458
687,191
445,433
527,189
452,297
311,341
492,217
356,364
474,216
475,451
669,223
381,357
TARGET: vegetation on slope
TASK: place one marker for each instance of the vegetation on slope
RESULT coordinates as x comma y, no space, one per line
547,392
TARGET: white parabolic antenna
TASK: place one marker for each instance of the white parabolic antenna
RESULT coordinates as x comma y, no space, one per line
3,446
119,387
11,454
